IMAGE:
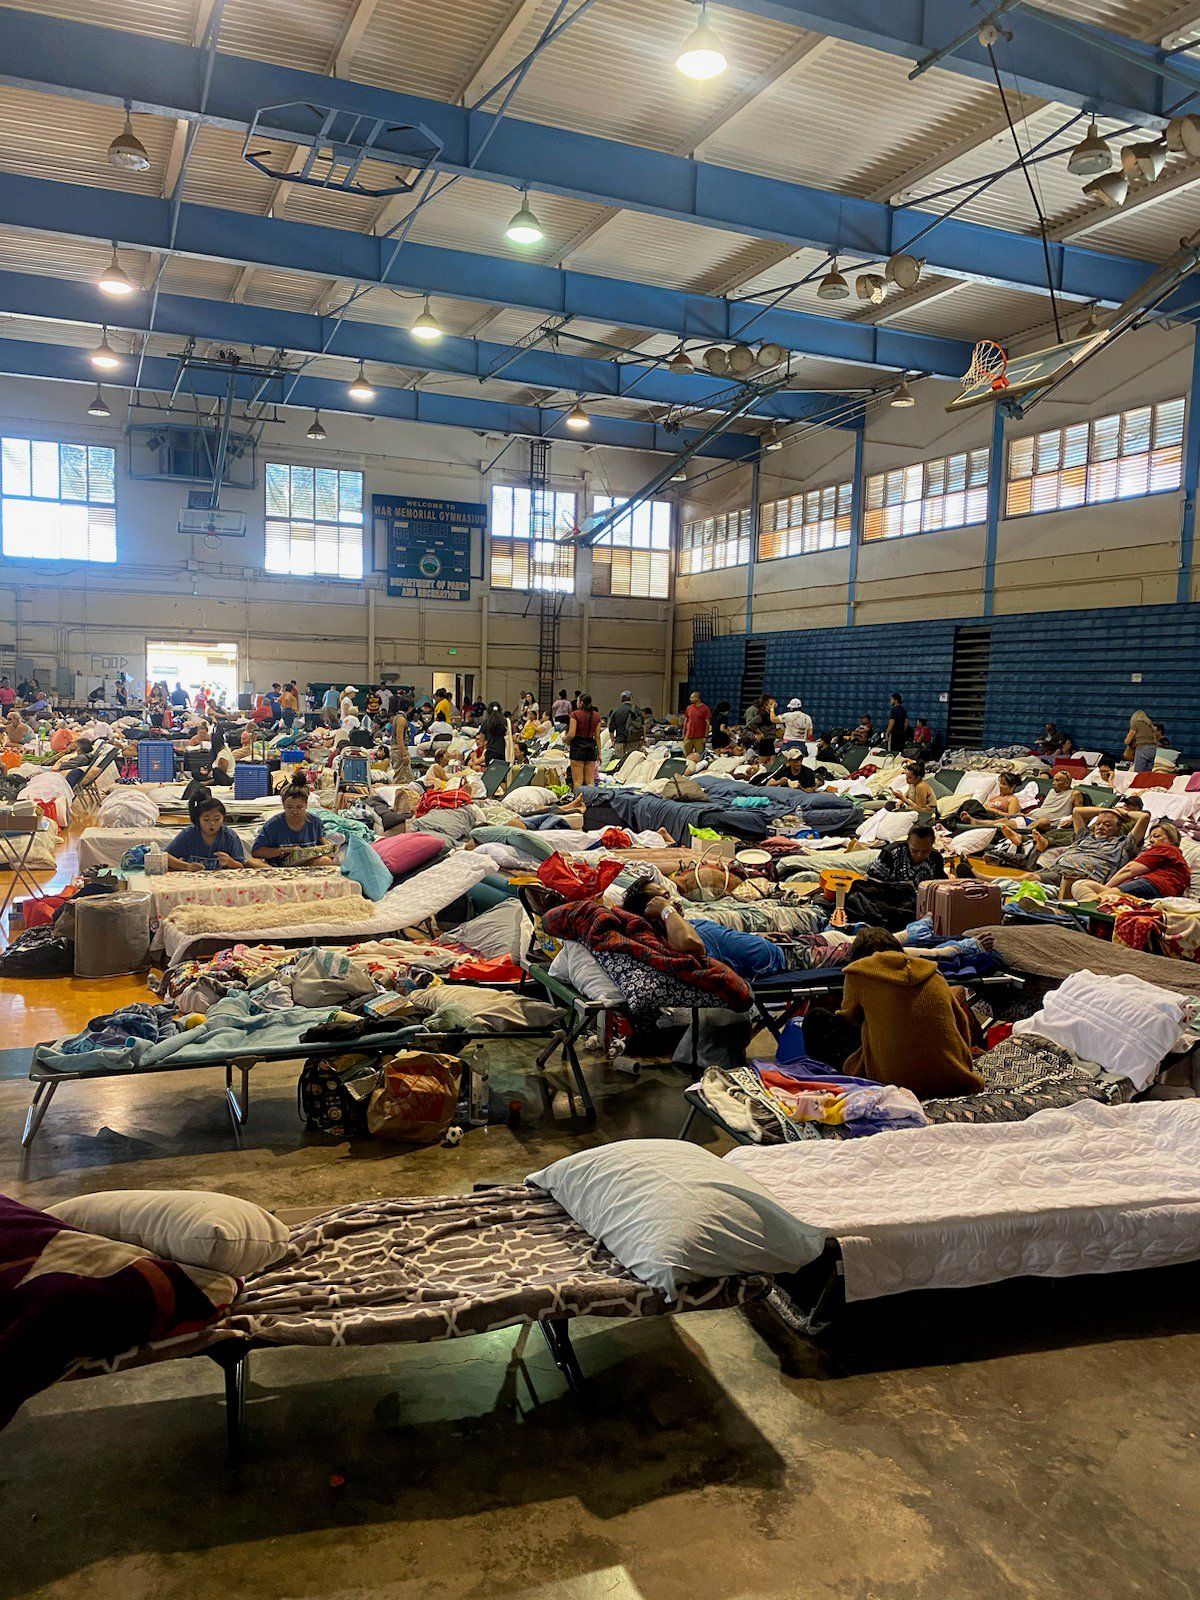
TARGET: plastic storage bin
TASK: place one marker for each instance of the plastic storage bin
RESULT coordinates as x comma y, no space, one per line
156,761
251,780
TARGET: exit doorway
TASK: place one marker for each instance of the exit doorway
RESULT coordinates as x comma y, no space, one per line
195,666
460,686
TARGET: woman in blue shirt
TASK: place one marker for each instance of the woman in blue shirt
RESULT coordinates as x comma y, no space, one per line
294,830
208,843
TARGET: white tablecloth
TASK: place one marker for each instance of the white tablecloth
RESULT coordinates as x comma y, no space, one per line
250,886
104,847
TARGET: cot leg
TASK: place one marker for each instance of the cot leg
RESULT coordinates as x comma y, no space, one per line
558,1337
239,1106
38,1107
589,1107
233,1361
687,1121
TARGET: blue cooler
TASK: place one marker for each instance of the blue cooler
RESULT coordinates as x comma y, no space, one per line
251,780
156,761
354,769
290,758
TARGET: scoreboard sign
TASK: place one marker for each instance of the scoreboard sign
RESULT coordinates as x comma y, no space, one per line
428,545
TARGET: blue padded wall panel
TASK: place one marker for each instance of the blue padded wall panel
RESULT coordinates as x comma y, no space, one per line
719,666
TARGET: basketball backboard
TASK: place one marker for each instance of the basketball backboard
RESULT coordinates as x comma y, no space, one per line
1036,370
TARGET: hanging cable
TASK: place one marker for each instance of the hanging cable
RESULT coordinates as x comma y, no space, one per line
1033,194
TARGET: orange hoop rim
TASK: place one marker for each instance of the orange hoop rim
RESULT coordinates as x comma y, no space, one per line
989,363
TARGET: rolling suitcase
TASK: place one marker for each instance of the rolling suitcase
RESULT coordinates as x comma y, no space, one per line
956,904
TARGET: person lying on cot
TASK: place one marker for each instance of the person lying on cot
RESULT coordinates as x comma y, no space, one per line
282,838
749,954
208,843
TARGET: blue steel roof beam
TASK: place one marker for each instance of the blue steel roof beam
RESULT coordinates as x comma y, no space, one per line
244,239
88,62
1100,71
31,294
69,363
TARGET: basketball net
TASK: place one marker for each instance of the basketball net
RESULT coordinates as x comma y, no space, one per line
989,363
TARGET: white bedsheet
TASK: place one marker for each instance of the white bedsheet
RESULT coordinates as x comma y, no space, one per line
1090,1188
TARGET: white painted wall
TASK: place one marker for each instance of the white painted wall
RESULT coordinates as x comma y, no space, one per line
167,585
1124,553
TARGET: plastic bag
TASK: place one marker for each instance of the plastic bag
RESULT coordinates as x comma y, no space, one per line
40,953
418,1098
325,977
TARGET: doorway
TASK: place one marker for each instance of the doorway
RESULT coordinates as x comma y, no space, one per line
173,661
460,686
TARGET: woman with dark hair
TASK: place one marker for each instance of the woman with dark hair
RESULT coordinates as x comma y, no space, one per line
398,750
583,749
295,830
494,729
208,842
763,722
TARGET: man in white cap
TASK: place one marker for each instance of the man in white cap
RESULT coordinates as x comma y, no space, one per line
625,726
797,724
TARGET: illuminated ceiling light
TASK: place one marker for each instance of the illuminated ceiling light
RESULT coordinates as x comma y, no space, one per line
1091,156
127,151
1150,158
871,286
717,361
360,389
702,55
525,227
114,280
427,326
681,362
833,286
903,396
316,430
1111,189
104,356
98,407
742,360
577,418
904,270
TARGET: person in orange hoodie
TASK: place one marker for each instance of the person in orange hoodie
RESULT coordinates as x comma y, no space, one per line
914,1029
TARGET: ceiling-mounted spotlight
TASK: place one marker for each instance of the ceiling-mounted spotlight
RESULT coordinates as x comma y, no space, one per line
903,396
871,286
104,356
679,475
426,326
702,55
98,408
773,438
1183,134
114,280
1091,156
1090,325
1111,189
716,360
1150,158
127,151
771,355
833,286
742,360
360,389
681,362
577,417
904,270
525,227
316,431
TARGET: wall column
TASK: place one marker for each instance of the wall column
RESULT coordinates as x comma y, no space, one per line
856,522
996,466
1191,481
755,473
370,636
483,645
584,620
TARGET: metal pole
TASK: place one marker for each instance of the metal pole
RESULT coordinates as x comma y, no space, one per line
995,486
856,523
1191,481
755,472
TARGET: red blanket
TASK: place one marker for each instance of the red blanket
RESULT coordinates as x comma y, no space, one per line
607,931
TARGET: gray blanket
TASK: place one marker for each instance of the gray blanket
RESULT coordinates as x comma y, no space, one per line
1050,952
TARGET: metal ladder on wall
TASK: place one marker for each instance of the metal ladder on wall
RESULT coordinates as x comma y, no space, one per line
550,604
967,710
753,671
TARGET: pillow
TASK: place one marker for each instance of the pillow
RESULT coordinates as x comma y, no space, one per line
979,786
188,1226
364,867
1191,854
528,799
887,827
404,853
673,1214
575,964
538,846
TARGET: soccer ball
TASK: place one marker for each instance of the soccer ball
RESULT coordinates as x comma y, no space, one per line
453,1136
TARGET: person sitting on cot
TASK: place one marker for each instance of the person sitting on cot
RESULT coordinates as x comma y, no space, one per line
208,843
794,774
282,837
1157,872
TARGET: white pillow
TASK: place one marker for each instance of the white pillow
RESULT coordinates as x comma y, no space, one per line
575,964
674,1214
191,1226
1191,854
887,827
529,799
979,786
969,843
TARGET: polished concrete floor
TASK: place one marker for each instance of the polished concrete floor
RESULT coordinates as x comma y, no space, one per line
1038,1439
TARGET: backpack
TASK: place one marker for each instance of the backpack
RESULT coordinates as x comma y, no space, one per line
333,1093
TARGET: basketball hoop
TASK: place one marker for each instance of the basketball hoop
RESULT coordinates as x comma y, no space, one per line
989,363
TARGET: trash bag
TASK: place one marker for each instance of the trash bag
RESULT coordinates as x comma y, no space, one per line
40,953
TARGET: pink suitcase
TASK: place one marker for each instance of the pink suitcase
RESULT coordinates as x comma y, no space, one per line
956,904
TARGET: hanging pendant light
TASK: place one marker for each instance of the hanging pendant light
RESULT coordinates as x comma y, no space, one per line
904,270
114,280
104,356
316,431
525,227
1090,325
681,362
771,355
127,151
903,397
871,286
577,418
426,326
833,286
1150,158
1091,156
742,360
717,361
679,475
1111,189
98,408
360,389
702,55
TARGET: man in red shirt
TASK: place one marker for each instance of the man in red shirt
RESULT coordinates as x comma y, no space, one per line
697,720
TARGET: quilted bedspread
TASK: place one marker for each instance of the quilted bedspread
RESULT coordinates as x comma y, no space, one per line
1091,1188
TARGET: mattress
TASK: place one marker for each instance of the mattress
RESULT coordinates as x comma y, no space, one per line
1087,1189
104,847
418,897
